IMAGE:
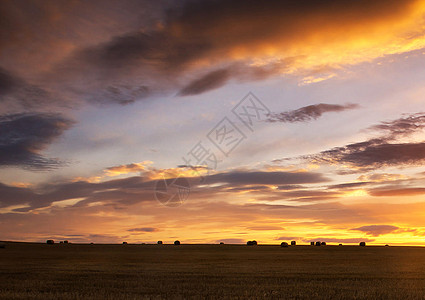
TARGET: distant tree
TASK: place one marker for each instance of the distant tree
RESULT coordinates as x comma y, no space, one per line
50,242
124,243
293,243
252,243
176,243
221,243
284,244
363,244
159,242
323,243
311,243
318,243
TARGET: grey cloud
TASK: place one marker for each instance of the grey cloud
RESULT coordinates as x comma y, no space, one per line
308,113
208,82
381,151
15,90
370,156
348,185
272,178
401,127
138,189
24,136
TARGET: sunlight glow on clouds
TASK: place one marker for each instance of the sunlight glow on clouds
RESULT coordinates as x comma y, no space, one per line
100,100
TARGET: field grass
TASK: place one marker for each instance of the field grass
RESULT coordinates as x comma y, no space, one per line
72,271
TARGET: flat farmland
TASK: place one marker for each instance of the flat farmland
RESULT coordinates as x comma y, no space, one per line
77,271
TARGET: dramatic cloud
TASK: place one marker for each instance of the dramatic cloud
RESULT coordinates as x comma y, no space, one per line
138,189
160,47
218,30
24,136
372,155
377,230
380,151
308,113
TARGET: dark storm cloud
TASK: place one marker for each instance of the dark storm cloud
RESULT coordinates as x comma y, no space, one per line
308,113
377,230
24,136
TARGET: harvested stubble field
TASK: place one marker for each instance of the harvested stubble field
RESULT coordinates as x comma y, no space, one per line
74,271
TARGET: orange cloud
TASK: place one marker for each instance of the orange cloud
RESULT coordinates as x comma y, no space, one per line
126,169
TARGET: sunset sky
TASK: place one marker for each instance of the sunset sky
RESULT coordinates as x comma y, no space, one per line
101,102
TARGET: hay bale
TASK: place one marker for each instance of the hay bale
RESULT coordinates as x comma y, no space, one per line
293,243
318,243
362,244
159,242
176,243
323,243
2,245
252,243
311,243
50,242
284,244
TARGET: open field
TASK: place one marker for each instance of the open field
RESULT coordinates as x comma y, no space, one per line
72,271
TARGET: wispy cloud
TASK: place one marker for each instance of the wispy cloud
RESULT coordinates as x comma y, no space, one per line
308,113
381,151
377,230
